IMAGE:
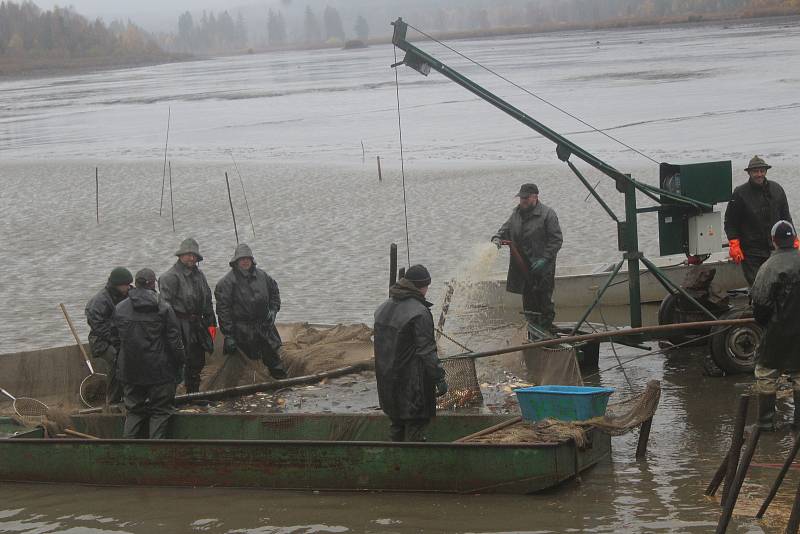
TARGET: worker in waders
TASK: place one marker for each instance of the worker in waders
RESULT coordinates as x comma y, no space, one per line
248,300
776,307
535,238
407,366
150,357
103,336
754,208
185,288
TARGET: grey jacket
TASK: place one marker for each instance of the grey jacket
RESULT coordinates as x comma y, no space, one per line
247,303
406,361
187,291
537,234
98,311
776,306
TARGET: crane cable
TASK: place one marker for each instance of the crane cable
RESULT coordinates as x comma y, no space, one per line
523,89
402,160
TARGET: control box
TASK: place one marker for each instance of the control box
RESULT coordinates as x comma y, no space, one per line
705,234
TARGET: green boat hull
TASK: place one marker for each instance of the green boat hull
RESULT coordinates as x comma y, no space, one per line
297,452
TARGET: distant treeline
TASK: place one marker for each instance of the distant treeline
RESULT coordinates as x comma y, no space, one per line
30,33
310,23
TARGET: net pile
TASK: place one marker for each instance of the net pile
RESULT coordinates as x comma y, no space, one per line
463,389
619,419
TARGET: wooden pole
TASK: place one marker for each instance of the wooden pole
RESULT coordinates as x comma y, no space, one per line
233,215
363,153
718,477
603,336
97,193
380,175
779,479
741,472
392,264
794,519
489,430
644,436
171,202
164,175
244,194
737,439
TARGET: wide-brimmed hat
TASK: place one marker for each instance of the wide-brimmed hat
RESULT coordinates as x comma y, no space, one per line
527,190
242,251
757,163
189,246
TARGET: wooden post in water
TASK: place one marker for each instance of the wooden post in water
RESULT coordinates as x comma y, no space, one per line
644,436
779,479
392,264
794,519
741,472
363,153
737,439
97,193
380,176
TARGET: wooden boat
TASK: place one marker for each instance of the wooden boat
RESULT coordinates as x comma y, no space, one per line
294,452
577,285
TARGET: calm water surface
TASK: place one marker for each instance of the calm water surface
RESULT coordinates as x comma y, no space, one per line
295,122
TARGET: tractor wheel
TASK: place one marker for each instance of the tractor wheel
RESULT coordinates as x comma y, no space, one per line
733,348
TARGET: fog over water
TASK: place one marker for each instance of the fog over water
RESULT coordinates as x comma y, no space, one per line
295,122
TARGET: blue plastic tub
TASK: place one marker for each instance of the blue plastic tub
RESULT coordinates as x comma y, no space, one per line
565,403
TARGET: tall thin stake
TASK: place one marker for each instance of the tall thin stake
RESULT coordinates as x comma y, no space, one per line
164,176
244,193
233,215
363,153
97,193
171,203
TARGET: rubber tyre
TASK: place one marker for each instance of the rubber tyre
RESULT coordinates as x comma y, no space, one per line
734,348
668,314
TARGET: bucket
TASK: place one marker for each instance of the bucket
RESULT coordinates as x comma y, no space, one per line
565,403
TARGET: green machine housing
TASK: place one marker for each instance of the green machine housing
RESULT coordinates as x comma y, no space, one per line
709,183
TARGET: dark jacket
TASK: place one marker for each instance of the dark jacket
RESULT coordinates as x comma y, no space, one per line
247,303
151,348
751,212
406,362
99,310
537,234
187,291
776,307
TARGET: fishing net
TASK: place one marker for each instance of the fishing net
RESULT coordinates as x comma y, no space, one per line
619,419
93,390
463,389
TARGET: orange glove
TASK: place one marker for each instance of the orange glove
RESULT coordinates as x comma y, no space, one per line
735,251
796,243
212,331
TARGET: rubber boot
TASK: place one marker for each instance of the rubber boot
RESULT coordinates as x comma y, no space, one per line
766,412
796,422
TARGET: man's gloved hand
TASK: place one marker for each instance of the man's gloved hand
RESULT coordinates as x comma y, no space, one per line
212,331
538,266
229,345
796,243
496,242
735,251
441,387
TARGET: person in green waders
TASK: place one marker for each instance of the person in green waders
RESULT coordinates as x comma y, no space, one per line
776,307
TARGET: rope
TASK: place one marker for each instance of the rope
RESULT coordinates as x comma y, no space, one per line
402,160
531,94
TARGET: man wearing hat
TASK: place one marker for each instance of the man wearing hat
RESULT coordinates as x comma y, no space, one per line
753,209
534,235
248,300
776,307
185,288
151,354
103,337
407,366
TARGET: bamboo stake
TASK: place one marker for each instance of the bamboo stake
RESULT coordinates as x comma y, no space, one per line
741,472
779,479
737,439
97,193
164,175
363,152
380,175
233,215
244,193
171,203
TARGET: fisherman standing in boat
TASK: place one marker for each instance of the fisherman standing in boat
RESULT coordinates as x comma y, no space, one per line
407,366
776,307
185,288
103,337
752,211
534,236
151,354
248,301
